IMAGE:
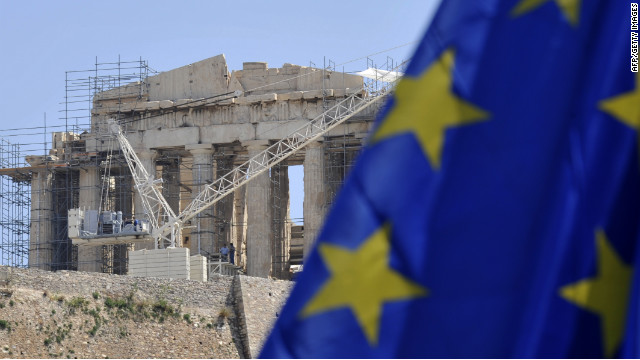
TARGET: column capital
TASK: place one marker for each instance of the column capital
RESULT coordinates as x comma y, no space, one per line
147,154
314,144
196,149
256,144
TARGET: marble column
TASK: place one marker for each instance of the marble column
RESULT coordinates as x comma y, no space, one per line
171,184
281,226
224,207
314,194
201,241
239,225
171,189
41,226
259,215
89,257
148,160
124,203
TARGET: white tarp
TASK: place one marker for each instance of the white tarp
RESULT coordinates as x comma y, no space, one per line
380,75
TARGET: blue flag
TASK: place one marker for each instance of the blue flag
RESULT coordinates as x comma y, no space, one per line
495,209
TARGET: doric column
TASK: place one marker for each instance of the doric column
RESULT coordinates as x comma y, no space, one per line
171,184
40,228
89,257
314,194
281,226
239,225
124,203
148,160
202,171
224,207
258,218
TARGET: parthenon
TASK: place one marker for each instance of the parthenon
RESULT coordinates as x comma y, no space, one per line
190,126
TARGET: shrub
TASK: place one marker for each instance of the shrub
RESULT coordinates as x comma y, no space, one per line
11,303
116,303
161,306
187,318
224,313
4,324
77,302
96,296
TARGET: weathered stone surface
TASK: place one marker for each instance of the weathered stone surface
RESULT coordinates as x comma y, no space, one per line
262,300
54,314
89,257
259,220
314,196
76,315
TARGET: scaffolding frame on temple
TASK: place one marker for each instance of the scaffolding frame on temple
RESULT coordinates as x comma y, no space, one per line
15,205
117,82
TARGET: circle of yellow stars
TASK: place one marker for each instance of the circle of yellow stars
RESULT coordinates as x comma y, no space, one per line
356,275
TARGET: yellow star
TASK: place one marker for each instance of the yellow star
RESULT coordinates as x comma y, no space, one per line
625,107
362,281
426,107
606,295
570,8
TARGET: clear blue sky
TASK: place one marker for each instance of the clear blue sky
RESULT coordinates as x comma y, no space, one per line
40,40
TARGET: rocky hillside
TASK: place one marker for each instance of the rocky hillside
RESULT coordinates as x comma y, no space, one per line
88,315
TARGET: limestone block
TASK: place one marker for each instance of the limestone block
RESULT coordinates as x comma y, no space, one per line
351,91
226,101
277,130
165,104
200,102
289,69
294,95
181,102
312,94
256,98
328,92
152,105
170,137
216,134
254,66
339,92
199,79
234,84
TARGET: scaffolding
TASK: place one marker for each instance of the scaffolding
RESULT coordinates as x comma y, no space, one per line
15,203
63,160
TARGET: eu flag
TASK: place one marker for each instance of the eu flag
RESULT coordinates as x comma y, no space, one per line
495,210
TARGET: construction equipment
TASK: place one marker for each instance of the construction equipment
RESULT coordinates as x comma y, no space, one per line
165,225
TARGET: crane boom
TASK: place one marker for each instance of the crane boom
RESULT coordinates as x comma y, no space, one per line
164,222
274,154
154,203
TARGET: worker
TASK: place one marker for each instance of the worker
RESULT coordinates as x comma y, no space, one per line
224,251
232,253
135,224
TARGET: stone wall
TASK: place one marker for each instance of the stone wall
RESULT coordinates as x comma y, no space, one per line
259,302
92,315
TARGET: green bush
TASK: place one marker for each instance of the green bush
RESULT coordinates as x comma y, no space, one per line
96,296
116,303
77,302
161,306
4,324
